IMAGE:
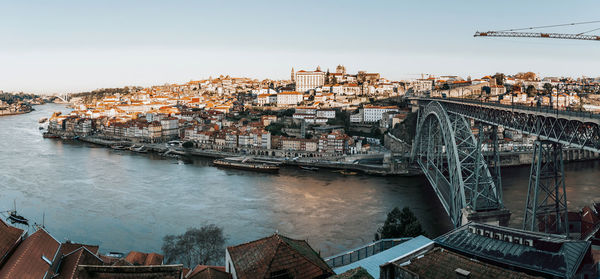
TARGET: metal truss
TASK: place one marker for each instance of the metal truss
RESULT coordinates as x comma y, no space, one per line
537,35
451,159
569,128
546,208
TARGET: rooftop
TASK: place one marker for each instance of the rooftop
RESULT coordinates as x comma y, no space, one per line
33,257
277,254
537,252
441,263
9,238
372,263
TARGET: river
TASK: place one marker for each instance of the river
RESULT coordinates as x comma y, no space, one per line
125,201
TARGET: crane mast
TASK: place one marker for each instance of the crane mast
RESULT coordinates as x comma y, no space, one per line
525,34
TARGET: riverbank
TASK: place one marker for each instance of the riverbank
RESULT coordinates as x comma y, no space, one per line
8,113
161,148
507,159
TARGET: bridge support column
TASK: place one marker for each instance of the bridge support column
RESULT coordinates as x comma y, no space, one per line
546,209
494,163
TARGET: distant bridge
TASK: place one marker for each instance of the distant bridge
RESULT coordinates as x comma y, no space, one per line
64,97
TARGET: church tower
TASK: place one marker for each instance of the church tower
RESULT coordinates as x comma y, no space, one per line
292,74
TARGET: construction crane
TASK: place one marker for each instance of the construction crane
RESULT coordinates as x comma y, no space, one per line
513,34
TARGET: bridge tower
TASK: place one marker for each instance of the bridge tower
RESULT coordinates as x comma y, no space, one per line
546,208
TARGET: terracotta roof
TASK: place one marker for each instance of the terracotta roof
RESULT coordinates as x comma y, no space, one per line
70,262
68,247
139,258
441,263
277,255
28,259
108,260
9,239
208,272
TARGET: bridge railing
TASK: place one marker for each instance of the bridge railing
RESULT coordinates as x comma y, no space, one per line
535,108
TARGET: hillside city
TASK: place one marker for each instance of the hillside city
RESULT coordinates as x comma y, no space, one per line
311,114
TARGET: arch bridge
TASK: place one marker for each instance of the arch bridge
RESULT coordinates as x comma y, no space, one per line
468,185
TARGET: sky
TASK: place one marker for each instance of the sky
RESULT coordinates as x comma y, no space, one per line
71,46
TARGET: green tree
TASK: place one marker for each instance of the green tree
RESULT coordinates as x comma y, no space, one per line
548,88
196,246
275,129
531,91
400,223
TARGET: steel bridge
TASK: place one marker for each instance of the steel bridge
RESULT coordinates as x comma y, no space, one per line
469,185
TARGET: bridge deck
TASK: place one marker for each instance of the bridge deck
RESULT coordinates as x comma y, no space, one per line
546,111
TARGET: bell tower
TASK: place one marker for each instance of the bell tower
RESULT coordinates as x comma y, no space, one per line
292,74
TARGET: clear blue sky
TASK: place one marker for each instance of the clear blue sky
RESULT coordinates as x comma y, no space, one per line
66,46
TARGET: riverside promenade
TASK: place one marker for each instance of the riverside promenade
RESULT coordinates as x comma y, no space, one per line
347,162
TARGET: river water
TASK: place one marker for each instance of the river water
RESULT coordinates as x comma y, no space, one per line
125,201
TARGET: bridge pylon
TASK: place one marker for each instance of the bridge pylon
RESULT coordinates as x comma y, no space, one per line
546,209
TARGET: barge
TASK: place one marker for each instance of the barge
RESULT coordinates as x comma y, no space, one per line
246,164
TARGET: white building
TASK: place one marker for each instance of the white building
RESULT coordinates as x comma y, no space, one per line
308,80
374,113
264,99
326,113
289,98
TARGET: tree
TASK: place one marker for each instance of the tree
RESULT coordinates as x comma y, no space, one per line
196,246
548,88
531,91
400,223
275,129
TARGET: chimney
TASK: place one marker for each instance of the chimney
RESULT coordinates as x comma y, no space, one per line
462,274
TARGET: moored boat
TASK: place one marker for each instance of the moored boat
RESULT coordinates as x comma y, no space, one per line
118,147
13,217
309,168
48,135
246,165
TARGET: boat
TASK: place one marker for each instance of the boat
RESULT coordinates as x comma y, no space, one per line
345,172
47,135
139,149
309,168
246,164
13,217
42,120
118,147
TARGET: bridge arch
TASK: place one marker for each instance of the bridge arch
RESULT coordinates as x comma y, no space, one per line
451,159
